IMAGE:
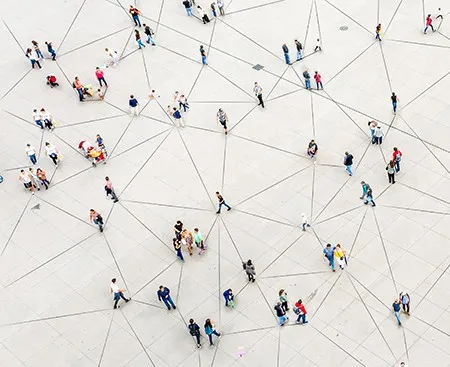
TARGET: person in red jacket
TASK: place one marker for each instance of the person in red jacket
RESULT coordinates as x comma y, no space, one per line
429,22
318,79
300,310
397,157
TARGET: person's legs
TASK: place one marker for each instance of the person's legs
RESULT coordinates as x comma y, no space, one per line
39,123
407,308
226,301
331,263
39,54
308,84
321,85
33,158
116,299
397,316
349,170
220,207
189,11
299,55
80,94
171,302
397,166
210,339
229,207
260,98
204,60
48,124
432,28
45,183
38,64
54,158
286,58
123,297
394,106
197,336
216,333
166,302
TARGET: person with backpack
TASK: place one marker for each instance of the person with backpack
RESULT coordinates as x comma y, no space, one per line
300,310
210,331
348,161
299,48
283,299
229,298
249,270
286,54
149,33
281,314
188,6
365,187
96,218
307,79
369,197
194,330
405,299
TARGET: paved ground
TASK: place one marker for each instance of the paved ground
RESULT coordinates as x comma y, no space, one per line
55,268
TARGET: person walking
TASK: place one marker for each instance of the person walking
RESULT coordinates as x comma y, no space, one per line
213,10
177,247
221,202
188,6
79,88
113,57
149,33
378,32
429,23
397,157
194,330
96,218
372,128
405,299
178,117
318,79
52,152
299,48
34,61
134,12
187,239
100,76
164,296
249,270
34,179
390,168
348,162
198,239
329,255
307,79
37,119
365,188
281,314
31,153
300,310
203,55
222,118
394,100
46,117
312,149
305,222
202,15
258,93
369,197
110,190
396,307
340,255
26,180
210,331
221,6
283,299
137,35
118,293
286,54
229,298
134,105
43,177
378,135
318,45
178,229
440,14
50,50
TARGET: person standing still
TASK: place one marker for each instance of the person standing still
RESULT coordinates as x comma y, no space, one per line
394,100
176,114
26,180
194,330
221,202
110,190
396,308
318,45
203,55
286,54
37,119
305,222
283,300
177,247
34,61
329,255
281,314
307,79
318,79
378,135
249,270
213,10
134,12
198,239
299,48
164,295
229,298
221,7
118,293
258,93
348,161
390,168
100,76
79,87
188,6
428,22
222,118
397,157
134,105
405,299
31,153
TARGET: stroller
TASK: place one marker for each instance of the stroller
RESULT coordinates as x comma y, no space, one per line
94,155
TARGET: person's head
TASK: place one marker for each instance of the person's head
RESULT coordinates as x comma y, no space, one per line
22,171
131,96
346,153
30,169
97,68
278,303
161,287
195,230
402,364
46,42
178,222
191,321
145,25
318,39
395,149
34,110
299,302
329,245
379,24
296,41
34,42
338,245
429,15
136,31
174,108
396,301
92,210
249,262
47,143
28,145
42,109
113,280
230,290
107,178
208,322
312,141
393,93
391,164
99,90
280,292
76,78
363,183
131,7
38,170
106,49
220,110
217,193
256,83
315,72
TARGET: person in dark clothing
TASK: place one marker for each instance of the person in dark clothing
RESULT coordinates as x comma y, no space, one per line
149,33
312,149
394,100
348,161
286,54
178,228
164,295
188,6
249,270
50,50
299,48
194,330
221,202
229,298
281,314
405,299
396,308
307,79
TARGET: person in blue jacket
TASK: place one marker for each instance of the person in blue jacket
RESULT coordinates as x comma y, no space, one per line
164,295
210,330
329,255
229,298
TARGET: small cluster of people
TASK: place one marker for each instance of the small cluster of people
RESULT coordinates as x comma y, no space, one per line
317,78
210,330
43,117
34,53
87,89
282,307
95,154
202,13
185,237
403,300
335,252
299,50
34,180
178,108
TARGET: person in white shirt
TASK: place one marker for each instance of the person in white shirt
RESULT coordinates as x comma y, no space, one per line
258,93
47,118
114,57
221,6
35,180
318,45
439,14
378,136
118,293
52,152
26,179
31,153
37,119
305,222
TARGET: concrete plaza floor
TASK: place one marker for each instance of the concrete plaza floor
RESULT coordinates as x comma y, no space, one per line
55,267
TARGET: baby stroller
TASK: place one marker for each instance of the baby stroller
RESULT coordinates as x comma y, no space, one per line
94,155
51,80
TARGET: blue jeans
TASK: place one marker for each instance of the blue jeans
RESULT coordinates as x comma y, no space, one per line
189,11
33,158
39,123
331,261
299,55
302,317
35,62
180,254
204,60
286,57
139,43
394,106
80,93
53,54
397,316
39,54
150,40
210,336
308,83
282,319
426,28
397,165
168,301
223,203
369,199
349,169
136,19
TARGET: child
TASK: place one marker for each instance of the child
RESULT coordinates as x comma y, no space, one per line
100,94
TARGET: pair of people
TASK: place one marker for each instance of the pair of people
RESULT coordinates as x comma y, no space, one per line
42,118
335,252
210,330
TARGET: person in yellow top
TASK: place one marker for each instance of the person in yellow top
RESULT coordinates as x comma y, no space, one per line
341,258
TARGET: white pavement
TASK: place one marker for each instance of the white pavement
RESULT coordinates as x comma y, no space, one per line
55,267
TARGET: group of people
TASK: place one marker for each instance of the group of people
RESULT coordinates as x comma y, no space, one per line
34,53
185,237
87,89
188,4
43,117
282,307
34,180
299,50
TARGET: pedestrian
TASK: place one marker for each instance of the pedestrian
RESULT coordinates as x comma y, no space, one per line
390,168
153,94
396,307
221,6
283,299
113,57
348,162
369,197
378,32
203,55
329,255
178,228
198,239
340,255
397,157
222,118
176,114
34,61
394,100
305,222
372,128
37,119
96,218
249,270
258,93
137,35
188,6
52,152
307,79
318,79
183,102
177,247
100,143
213,9
378,135
365,189
201,13
51,80
79,87
300,310
118,293
429,22
221,202
134,12
34,178
50,50
318,45
47,118
312,149
403,364
440,14
405,299
110,190
31,153
229,298
43,177
194,330
281,313
149,32
164,295
26,180
100,76
210,331
299,48
187,239
134,105
37,50
286,54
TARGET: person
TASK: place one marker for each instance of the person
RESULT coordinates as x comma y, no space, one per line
369,197
210,331
222,118
283,300
100,143
286,54
397,157
300,310
396,307
221,202
203,55
113,57
100,94
52,152
258,93
50,50
176,114
194,330
329,255
394,100
43,177
110,190
305,222
164,295
365,188
378,135
47,118
183,102
177,247
221,6
405,299
390,168
134,105
249,270
318,79
372,127
403,364
26,180
229,298
281,313
299,48
51,80
31,153
429,23
134,12
203,16
188,6
149,32
137,35
307,79
118,293
37,119
187,239
312,149
178,228
440,14
318,45
340,255
37,50
96,218
79,87
36,182
348,162
213,9
198,239
29,55
378,32
100,76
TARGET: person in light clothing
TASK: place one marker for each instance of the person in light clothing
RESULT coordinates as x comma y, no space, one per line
118,293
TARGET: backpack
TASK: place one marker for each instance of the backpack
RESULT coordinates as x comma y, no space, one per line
296,310
192,330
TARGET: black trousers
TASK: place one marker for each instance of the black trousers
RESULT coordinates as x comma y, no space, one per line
118,298
405,307
261,102
391,178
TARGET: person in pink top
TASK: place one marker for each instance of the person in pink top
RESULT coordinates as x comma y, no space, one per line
100,76
318,79
429,24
